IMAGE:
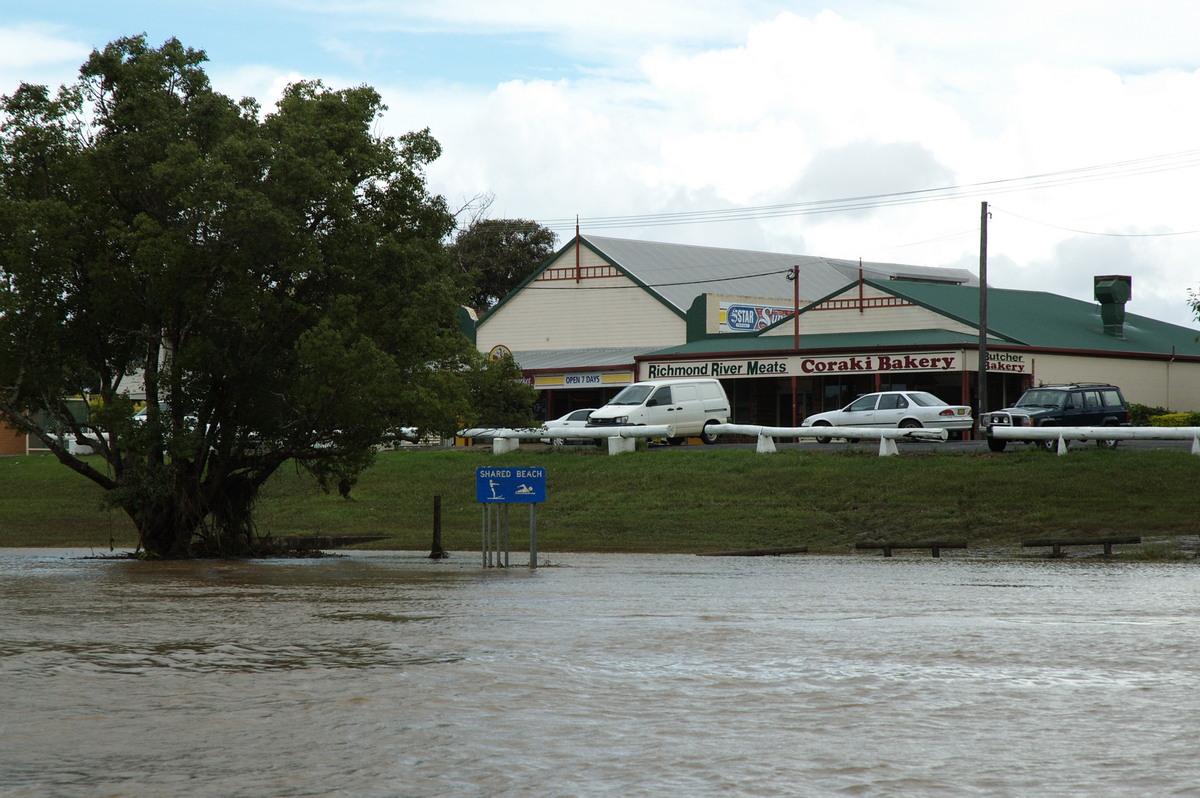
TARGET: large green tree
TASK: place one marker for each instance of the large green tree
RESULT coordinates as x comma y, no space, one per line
495,255
278,282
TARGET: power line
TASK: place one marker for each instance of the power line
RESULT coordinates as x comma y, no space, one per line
1129,168
1095,232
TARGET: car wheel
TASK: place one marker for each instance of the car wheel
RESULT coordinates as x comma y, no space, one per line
823,424
676,441
707,437
996,445
1049,445
1103,444
557,442
910,423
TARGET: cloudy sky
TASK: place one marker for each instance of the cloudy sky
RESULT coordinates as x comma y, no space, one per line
859,129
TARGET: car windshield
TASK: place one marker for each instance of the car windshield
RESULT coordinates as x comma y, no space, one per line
925,399
1035,398
633,395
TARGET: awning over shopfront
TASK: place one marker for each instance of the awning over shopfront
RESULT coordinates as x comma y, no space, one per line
549,369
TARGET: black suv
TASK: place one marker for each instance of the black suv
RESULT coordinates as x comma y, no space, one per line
1085,404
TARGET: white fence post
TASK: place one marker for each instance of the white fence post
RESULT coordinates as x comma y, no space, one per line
618,445
505,445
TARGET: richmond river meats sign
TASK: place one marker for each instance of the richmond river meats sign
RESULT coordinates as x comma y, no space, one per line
801,366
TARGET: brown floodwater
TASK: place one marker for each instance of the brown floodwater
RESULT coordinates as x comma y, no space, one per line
387,674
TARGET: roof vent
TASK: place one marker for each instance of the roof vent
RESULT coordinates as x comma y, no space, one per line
1112,292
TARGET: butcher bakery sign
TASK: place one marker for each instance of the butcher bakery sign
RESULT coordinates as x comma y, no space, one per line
800,365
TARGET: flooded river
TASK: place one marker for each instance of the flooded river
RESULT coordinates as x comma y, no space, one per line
386,674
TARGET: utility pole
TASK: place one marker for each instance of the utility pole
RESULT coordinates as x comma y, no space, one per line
983,353
794,277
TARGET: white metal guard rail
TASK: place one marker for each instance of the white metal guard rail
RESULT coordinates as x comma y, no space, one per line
620,439
1063,434
887,436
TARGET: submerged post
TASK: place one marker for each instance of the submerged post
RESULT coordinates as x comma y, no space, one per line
485,512
506,527
533,536
437,552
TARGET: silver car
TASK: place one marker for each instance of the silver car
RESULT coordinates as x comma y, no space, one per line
558,427
903,409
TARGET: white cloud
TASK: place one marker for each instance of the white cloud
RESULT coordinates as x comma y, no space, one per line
691,105
871,168
827,107
37,46
38,54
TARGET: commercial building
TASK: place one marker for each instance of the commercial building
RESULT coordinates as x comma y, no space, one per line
605,312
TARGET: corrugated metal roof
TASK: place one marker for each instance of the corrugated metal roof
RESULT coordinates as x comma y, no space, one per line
1045,320
681,272
550,359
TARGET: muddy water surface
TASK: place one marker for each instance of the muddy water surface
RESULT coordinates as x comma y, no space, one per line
385,674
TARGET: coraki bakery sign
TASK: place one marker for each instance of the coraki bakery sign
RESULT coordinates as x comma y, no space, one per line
802,366
872,364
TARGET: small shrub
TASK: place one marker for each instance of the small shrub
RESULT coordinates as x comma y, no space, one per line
1139,415
1175,420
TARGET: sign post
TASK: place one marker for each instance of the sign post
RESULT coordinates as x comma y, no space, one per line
505,486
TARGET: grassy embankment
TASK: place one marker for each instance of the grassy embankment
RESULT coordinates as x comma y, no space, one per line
692,499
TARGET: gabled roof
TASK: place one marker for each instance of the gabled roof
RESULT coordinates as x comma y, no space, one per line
680,272
676,274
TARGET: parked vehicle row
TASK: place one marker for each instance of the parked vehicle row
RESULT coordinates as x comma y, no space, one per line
691,405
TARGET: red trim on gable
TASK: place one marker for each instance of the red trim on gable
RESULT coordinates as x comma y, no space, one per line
578,273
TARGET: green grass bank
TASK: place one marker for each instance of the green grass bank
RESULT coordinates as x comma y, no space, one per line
692,499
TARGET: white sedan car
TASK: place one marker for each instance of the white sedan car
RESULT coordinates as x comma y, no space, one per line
564,424
904,409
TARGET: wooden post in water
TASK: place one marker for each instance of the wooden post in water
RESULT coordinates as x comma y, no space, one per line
533,536
437,553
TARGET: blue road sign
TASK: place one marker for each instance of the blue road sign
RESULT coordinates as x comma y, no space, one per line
506,485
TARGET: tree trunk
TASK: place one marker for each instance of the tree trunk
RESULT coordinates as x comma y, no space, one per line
166,532
209,518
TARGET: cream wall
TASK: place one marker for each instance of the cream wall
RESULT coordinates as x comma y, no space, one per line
1157,383
596,311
